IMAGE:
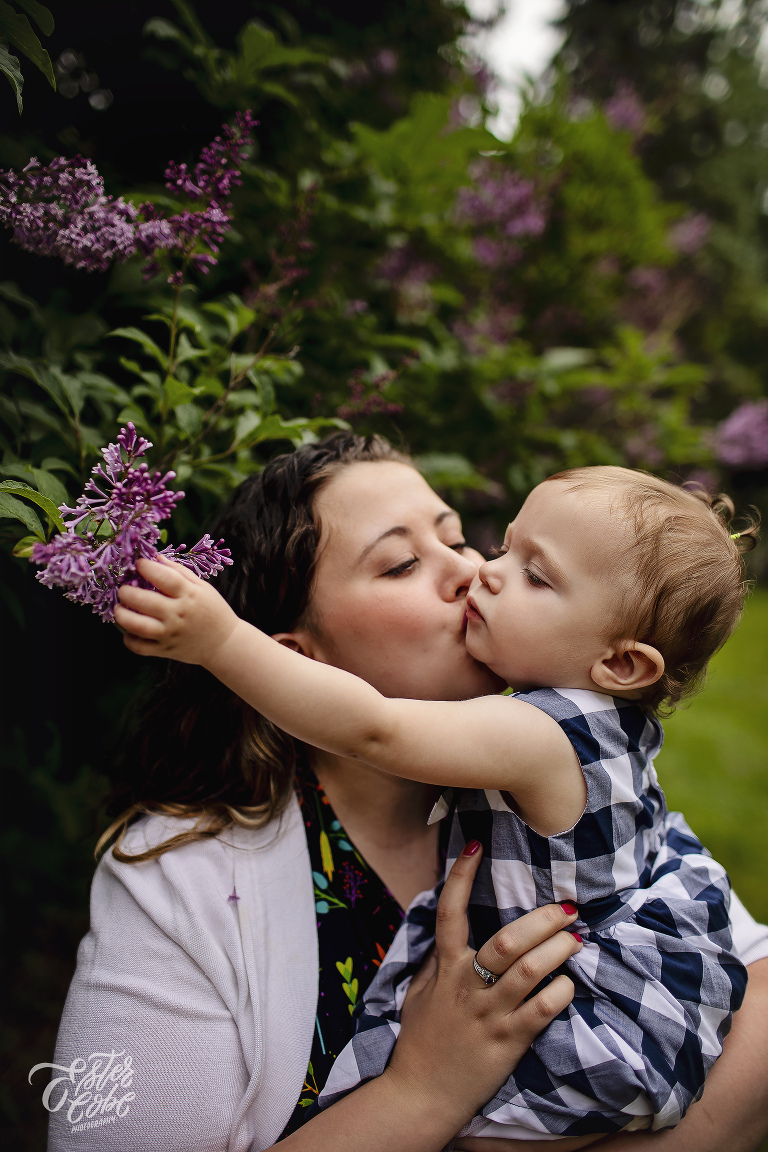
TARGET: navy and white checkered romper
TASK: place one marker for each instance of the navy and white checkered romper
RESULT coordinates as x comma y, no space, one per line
657,978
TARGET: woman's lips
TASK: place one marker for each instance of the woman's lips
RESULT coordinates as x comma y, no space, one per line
471,610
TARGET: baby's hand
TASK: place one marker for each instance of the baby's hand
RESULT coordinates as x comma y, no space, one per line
185,620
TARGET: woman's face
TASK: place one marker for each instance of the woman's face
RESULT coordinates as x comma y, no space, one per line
393,573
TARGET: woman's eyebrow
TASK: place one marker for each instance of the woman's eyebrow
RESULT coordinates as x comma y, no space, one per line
402,530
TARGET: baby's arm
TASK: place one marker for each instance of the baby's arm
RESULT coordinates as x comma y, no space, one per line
491,742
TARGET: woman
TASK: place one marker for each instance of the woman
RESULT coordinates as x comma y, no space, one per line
203,956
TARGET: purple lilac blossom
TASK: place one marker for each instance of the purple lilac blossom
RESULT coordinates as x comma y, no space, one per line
61,210
690,233
507,203
742,439
624,111
118,516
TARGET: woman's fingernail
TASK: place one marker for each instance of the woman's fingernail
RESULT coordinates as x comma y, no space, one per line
568,908
471,848
577,937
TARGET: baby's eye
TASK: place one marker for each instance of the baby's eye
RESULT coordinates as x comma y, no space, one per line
401,569
458,547
534,580
495,552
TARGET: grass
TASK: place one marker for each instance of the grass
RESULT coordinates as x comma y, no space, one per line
714,763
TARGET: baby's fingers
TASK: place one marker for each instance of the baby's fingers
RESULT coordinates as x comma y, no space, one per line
144,600
137,624
166,575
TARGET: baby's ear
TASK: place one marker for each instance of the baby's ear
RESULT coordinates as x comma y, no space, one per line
628,667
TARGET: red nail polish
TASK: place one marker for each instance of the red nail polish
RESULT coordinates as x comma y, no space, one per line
577,937
471,848
569,908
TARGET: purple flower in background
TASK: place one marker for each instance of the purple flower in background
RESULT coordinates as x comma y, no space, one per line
117,518
690,233
741,441
625,111
508,204
61,210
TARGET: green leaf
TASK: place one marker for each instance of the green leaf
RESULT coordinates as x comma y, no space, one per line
40,373
165,30
9,66
22,35
235,314
146,342
15,509
49,485
43,502
177,392
209,386
52,462
40,14
275,428
186,351
190,419
23,548
246,424
10,291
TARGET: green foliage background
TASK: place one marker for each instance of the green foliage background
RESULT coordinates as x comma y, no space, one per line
495,373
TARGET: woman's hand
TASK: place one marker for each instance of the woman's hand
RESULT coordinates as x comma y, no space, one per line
459,1039
185,620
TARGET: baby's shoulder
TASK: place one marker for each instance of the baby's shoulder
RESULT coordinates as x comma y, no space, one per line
600,727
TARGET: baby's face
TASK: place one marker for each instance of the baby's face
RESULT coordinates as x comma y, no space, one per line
540,614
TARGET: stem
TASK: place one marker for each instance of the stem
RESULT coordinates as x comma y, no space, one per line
174,328
171,353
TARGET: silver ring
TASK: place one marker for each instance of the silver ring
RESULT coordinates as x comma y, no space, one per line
487,977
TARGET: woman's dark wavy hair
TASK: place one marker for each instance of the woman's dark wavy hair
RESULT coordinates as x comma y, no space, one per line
194,749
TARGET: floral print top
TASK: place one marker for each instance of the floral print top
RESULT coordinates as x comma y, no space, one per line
357,918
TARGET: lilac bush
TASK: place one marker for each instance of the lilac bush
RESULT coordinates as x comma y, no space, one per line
508,204
742,439
61,210
114,524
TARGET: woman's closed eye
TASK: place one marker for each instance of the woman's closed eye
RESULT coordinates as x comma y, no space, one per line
407,565
403,567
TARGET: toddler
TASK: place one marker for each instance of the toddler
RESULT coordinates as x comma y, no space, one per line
616,588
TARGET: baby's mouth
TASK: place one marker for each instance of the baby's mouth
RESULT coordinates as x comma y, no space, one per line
471,610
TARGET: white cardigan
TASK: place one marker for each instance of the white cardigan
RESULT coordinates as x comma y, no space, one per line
212,999
199,1010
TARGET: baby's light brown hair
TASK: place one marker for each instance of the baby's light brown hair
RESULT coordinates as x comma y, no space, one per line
686,570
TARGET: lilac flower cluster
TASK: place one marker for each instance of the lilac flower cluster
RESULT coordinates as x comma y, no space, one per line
368,400
215,174
118,516
742,439
690,233
61,210
625,112
507,203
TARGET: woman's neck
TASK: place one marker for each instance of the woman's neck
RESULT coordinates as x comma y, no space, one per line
386,819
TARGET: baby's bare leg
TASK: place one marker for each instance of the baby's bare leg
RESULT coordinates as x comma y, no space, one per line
491,1144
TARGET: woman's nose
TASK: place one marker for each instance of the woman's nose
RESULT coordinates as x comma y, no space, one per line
460,573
